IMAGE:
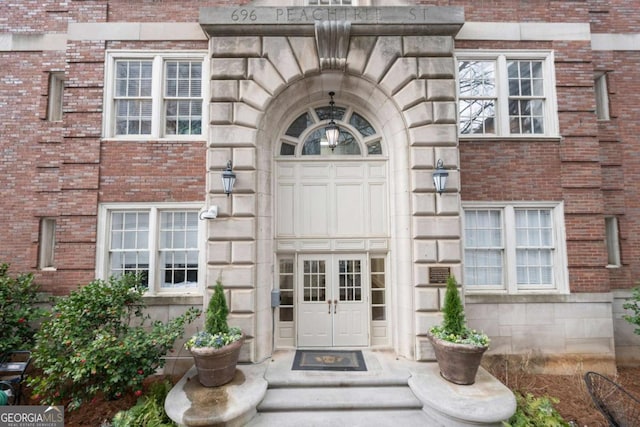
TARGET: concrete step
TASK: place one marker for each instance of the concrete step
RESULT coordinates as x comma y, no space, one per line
338,398
359,418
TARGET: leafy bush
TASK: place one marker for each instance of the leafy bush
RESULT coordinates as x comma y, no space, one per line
149,411
18,312
97,342
536,411
633,304
454,327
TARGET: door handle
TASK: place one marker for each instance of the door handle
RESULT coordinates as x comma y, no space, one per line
335,306
329,302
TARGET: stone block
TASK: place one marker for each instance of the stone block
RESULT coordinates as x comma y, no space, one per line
244,158
224,90
448,203
304,48
243,252
512,314
449,251
245,115
232,135
528,338
218,158
590,345
262,71
436,68
539,314
427,45
221,113
384,53
401,72
228,68
424,350
421,271
422,157
419,115
410,95
425,320
582,310
441,90
445,112
242,301
245,181
254,94
434,134
423,203
242,276
358,54
232,228
239,46
598,328
219,253
449,156
427,299
436,227
483,312
278,51
422,180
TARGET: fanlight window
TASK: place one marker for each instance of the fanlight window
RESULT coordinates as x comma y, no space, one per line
305,136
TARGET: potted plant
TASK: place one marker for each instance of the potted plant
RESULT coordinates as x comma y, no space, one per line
458,349
216,349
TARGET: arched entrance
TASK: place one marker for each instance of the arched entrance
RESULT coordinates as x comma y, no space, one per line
331,231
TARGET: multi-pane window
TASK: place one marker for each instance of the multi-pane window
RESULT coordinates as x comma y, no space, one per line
286,290
159,244
314,285
514,248
154,95
350,280
506,94
378,298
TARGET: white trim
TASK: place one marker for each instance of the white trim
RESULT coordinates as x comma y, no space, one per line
560,270
102,240
524,31
135,31
159,57
629,41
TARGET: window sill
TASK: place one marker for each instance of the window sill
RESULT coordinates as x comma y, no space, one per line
173,299
537,298
149,138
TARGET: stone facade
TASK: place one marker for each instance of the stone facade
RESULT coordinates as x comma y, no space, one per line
398,65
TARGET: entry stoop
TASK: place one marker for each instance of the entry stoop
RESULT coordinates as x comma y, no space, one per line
392,392
378,397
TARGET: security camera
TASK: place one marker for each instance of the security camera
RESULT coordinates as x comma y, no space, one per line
210,213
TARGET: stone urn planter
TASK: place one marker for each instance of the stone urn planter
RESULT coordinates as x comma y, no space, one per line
458,349
216,349
216,366
458,363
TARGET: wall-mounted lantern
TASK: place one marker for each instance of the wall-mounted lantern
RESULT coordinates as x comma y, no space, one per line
228,179
332,132
440,177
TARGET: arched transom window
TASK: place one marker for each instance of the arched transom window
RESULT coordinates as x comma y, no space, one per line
305,136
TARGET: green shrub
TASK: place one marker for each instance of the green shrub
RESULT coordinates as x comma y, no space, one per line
149,411
633,304
454,325
18,311
97,341
536,411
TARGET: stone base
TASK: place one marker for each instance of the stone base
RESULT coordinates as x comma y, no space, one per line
486,403
233,404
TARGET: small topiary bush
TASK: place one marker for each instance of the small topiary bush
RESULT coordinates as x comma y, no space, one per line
633,304
536,411
98,341
18,311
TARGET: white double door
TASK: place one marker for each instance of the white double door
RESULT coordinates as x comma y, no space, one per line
333,295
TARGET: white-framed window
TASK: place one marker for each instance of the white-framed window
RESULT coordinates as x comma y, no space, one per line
602,96
161,242
613,241
514,248
155,94
506,94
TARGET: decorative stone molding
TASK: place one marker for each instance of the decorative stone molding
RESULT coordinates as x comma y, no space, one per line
332,38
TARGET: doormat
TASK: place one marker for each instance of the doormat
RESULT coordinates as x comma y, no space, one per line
328,360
